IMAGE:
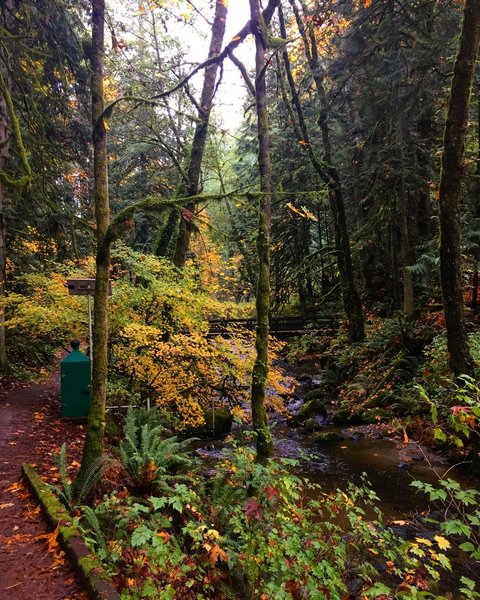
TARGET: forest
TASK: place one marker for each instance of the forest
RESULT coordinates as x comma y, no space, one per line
276,204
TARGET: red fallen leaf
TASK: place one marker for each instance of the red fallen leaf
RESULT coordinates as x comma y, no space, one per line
294,588
253,510
18,538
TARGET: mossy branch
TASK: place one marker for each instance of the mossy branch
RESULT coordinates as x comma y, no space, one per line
15,125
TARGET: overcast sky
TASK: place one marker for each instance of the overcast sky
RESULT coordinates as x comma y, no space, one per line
231,95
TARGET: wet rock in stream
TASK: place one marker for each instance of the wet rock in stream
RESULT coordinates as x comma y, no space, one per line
310,409
305,378
314,423
317,394
327,438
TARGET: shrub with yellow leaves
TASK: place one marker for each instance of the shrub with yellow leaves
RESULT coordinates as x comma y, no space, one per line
188,373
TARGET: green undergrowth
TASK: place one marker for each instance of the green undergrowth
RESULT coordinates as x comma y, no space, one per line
170,528
88,565
251,531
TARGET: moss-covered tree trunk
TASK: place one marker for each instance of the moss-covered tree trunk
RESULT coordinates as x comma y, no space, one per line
460,359
93,447
260,369
200,136
4,146
9,133
408,293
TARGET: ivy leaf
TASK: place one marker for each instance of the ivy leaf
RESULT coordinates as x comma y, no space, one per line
378,589
444,561
467,547
215,553
157,503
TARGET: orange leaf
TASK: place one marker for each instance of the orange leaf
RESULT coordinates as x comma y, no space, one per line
216,554
15,487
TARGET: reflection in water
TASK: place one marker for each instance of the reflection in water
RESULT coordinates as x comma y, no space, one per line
336,466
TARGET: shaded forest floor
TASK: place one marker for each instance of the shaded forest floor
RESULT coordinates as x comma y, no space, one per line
33,566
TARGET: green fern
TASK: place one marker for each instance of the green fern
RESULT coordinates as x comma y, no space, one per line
65,492
149,459
96,529
92,476
69,494
223,496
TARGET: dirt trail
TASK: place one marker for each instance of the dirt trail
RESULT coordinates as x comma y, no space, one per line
31,564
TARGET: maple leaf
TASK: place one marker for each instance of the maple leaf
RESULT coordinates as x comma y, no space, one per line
164,535
252,510
272,492
423,541
15,487
442,542
215,553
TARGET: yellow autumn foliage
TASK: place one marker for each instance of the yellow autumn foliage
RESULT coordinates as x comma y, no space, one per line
159,345
188,373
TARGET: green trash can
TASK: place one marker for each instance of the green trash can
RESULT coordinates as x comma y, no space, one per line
75,384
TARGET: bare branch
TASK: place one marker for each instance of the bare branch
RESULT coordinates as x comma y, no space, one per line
241,67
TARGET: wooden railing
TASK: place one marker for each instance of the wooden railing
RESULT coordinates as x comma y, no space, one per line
279,326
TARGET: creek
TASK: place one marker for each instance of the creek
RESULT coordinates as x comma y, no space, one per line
335,466
389,462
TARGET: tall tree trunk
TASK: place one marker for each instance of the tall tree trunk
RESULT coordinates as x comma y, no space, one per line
393,246
4,149
200,136
476,210
93,446
460,359
408,295
260,369
351,299
474,300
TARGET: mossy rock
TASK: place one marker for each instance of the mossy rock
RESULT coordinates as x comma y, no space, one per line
311,425
345,417
316,394
328,438
311,409
218,423
374,415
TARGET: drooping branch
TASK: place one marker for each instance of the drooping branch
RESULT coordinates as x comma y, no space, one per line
17,134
